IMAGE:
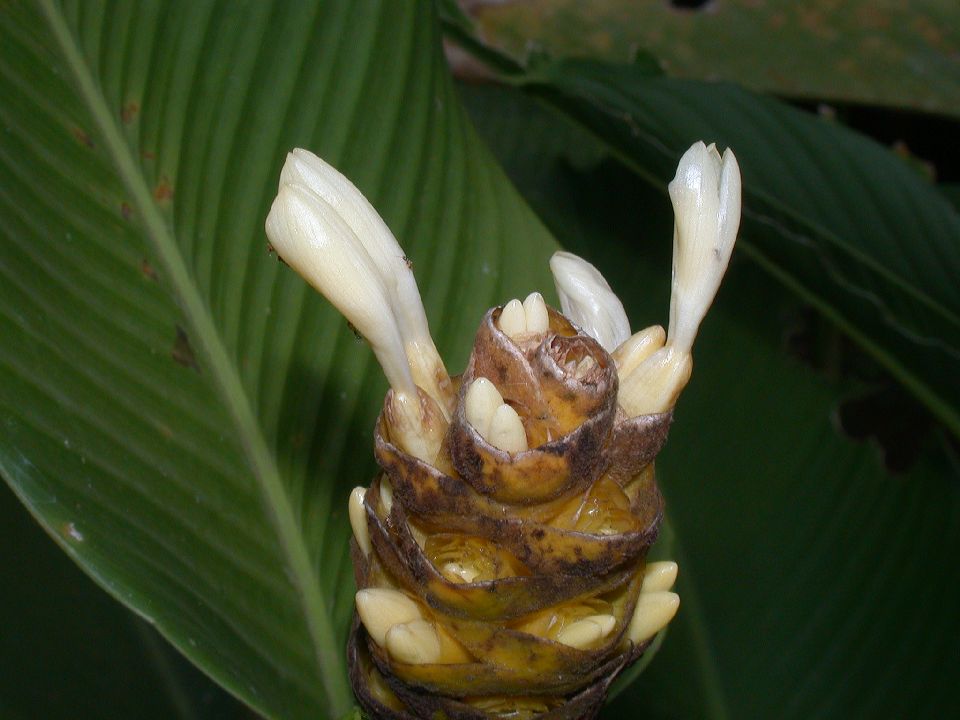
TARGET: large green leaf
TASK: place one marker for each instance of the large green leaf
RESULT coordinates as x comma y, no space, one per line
866,51
812,583
840,220
179,411
69,650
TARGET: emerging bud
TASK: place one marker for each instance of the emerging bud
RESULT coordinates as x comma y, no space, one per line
706,203
326,230
358,519
587,300
500,555
313,239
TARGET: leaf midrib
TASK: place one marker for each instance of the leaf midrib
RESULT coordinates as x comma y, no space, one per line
226,378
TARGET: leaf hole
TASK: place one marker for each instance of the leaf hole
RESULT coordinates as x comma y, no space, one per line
689,5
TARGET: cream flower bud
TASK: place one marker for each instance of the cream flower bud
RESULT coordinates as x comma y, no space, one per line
587,300
706,203
312,238
386,271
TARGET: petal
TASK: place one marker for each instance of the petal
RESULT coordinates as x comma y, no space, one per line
588,301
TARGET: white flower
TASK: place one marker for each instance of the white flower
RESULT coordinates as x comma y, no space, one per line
706,205
326,230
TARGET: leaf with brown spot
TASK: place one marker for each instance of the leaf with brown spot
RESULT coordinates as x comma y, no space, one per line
182,352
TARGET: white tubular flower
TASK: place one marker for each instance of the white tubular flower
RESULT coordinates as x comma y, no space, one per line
706,202
312,238
587,300
384,261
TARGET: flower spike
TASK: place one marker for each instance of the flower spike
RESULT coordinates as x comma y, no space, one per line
515,505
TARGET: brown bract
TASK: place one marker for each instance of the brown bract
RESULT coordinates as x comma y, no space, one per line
552,533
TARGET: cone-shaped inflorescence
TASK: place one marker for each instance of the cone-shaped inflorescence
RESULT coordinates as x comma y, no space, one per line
500,555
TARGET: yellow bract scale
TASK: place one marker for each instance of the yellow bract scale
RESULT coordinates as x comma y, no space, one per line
466,559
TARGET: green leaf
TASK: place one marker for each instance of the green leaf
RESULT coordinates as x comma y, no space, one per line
838,219
179,411
69,650
861,51
812,583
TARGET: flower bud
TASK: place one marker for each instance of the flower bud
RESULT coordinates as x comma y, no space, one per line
319,213
706,204
587,300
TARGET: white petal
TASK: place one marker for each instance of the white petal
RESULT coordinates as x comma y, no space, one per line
358,519
659,576
414,642
506,430
480,403
580,634
588,301
513,320
653,612
637,348
535,309
385,258
654,385
606,622
306,169
382,608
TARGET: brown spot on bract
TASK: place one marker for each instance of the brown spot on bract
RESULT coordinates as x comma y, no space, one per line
82,136
163,191
148,270
129,112
148,155
182,352
126,212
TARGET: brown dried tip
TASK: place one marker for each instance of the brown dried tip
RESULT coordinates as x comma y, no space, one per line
506,583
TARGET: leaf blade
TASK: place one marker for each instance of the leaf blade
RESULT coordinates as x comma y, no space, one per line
220,366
